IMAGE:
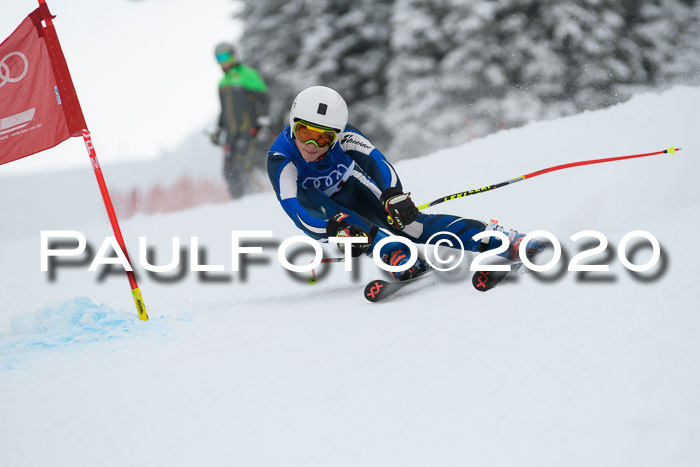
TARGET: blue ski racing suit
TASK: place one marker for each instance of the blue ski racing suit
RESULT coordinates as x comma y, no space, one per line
350,178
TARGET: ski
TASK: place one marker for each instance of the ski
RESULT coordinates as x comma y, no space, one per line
486,280
380,289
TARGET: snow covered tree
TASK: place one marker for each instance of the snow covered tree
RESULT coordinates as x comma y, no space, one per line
271,42
668,31
414,88
344,45
587,38
419,75
348,49
497,63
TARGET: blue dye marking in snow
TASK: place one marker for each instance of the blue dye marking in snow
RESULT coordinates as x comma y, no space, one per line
69,323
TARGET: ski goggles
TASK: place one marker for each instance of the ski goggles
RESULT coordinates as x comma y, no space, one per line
224,57
318,135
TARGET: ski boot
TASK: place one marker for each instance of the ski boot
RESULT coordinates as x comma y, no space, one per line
400,257
534,247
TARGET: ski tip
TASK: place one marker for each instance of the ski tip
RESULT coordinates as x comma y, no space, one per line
375,290
484,281
380,289
480,281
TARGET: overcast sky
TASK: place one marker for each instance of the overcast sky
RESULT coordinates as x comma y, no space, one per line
144,72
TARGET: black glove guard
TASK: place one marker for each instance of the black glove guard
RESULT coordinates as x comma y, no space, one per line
401,212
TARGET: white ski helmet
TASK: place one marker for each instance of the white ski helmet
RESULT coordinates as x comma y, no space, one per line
322,106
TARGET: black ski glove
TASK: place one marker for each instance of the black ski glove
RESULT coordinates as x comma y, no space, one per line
337,227
399,207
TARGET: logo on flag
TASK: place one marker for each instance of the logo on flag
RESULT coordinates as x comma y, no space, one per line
7,66
13,68
17,121
38,105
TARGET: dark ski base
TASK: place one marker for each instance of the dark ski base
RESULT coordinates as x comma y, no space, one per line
487,280
380,289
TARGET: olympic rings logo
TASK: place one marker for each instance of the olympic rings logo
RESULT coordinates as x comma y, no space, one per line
5,75
325,181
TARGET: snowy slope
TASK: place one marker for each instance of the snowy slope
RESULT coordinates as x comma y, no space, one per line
42,199
263,369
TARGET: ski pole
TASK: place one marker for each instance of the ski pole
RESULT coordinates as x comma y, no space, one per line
671,150
312,278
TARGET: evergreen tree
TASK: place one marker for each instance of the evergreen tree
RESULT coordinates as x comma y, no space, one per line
434,73
415,94
271,42
668,32
499,63
347,48
343,45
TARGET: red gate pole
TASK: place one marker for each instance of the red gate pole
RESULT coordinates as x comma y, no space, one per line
138,299
75,122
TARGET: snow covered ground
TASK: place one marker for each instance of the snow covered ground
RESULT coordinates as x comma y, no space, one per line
263,369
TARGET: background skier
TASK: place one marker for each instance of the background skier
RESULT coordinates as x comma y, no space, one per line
244,118
332,181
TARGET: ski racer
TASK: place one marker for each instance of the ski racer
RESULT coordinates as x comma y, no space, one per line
244,116
332,181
